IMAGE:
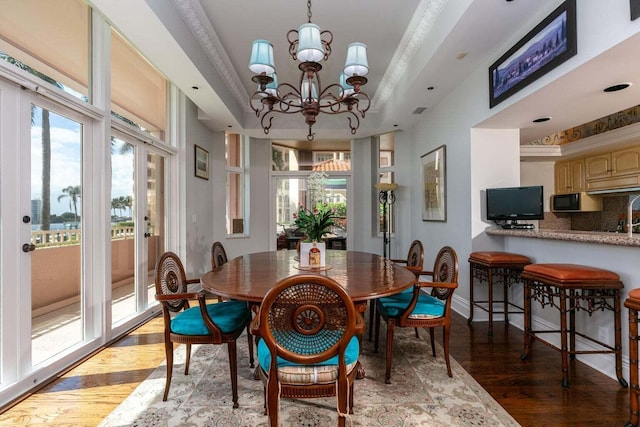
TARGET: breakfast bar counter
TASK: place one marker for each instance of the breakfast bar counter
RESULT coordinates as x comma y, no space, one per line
598,237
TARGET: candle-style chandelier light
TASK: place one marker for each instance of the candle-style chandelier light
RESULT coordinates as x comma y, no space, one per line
309,45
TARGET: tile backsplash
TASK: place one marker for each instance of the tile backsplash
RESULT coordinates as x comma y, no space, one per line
613,209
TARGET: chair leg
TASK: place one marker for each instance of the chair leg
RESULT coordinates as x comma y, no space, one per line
250,345
390,330
168,348
377,340
233,368
343,387
273,400
351,397
187,361
372,316
417,334
445,336
432,334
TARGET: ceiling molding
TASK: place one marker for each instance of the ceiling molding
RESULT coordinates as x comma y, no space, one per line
198,23
416,33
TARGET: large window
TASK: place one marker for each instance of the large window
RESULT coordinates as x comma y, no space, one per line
49,39
235,156
138,90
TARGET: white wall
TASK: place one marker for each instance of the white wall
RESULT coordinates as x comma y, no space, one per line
470,168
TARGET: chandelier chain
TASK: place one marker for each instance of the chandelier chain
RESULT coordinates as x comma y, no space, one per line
309,11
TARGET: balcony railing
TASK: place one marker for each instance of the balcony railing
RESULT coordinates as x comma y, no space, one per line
72,236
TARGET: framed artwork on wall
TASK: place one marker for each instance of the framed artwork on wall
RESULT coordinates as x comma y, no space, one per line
634,5
548,45
201,162
434,185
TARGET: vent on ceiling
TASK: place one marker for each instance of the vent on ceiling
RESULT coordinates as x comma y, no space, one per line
419,110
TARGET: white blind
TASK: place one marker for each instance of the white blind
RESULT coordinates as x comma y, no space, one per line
138,90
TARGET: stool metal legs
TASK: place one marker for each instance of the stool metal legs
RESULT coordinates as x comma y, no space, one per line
568,303
505,275
634,389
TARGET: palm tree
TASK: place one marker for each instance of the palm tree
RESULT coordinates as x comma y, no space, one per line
74,193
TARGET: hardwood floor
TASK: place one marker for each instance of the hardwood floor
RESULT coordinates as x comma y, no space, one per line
529,390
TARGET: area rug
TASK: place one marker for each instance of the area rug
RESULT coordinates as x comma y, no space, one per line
421,393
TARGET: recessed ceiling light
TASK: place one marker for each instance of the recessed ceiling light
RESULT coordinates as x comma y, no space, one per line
541,119
617,87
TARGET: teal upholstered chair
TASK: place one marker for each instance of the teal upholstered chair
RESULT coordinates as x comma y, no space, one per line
218,259
419,309
308,345
217,323
413,263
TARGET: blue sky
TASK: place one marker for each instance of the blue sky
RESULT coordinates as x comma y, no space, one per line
66,162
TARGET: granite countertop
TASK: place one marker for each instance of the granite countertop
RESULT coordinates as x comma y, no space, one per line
600,237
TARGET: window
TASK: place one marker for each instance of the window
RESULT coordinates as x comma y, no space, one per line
236,206
385,176
50,40
138,90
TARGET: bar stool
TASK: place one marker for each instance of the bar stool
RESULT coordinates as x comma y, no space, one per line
633,304
506,268
570,288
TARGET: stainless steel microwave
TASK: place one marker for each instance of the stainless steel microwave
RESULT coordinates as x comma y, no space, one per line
576,202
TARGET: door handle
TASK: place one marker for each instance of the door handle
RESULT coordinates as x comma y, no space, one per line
28,247
147,234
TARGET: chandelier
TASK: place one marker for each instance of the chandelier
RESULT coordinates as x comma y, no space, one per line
309,45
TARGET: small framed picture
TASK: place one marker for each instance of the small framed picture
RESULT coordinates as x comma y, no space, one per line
201,162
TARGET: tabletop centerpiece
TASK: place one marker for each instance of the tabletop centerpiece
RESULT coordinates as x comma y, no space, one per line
315,223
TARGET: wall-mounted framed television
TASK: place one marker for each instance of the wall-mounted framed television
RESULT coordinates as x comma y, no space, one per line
513,204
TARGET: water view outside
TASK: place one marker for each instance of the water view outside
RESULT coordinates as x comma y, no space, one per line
56,175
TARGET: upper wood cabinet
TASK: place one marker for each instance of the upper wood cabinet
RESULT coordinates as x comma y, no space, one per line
625,162
597,166
569,176
616,163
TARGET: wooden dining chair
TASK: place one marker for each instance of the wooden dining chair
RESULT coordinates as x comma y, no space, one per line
217,323
218,255
308,345
413,263
415,258
419,309
219,258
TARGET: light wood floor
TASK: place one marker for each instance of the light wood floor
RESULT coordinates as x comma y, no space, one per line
529,390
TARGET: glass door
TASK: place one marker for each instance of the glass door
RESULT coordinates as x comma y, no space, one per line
137,224
55,236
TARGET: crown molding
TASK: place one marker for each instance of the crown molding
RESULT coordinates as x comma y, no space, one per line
416,33
196,20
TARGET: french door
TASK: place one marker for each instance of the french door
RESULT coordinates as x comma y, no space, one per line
137,223
59,299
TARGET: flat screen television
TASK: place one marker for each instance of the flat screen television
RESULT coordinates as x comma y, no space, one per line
515,203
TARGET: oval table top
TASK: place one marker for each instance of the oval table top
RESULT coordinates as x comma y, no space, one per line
365,276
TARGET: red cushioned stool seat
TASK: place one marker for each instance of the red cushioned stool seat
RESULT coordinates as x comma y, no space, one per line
495,267
571,288
633,304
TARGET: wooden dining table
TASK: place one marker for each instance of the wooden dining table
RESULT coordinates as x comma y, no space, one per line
364,275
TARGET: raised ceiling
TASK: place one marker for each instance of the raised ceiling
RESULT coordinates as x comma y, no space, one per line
413,45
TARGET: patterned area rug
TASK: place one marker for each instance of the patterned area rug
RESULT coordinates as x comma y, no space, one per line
421,393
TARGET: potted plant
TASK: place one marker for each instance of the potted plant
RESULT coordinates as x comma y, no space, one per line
315,223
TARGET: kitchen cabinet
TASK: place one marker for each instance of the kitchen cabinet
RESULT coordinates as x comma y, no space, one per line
613,170
616,163
569,176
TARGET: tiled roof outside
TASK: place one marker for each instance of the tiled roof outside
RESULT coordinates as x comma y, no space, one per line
333,165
